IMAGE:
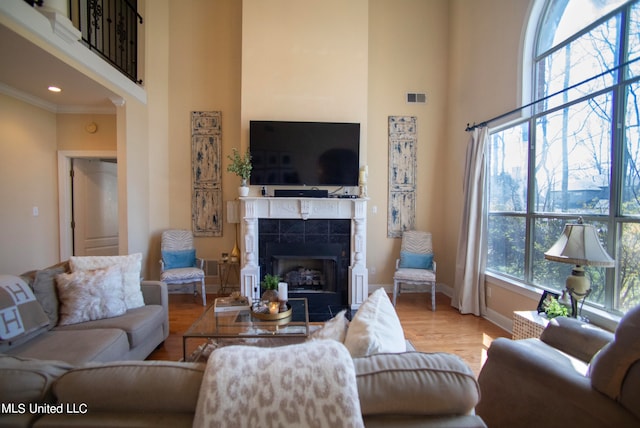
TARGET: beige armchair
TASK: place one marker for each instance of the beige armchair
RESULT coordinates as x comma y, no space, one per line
574,375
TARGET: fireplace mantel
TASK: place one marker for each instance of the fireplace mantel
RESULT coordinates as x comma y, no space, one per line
252,209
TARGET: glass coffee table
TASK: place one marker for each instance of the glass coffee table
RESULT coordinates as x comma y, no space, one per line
242,324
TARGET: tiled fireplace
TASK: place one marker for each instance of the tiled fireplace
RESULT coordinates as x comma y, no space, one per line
318,245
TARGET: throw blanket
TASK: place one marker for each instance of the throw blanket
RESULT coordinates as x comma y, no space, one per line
306,385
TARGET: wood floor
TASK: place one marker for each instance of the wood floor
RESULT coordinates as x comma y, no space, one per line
444,330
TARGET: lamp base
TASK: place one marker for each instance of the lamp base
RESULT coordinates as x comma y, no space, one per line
578,286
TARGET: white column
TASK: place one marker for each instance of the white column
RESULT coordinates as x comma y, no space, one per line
358,272
250,272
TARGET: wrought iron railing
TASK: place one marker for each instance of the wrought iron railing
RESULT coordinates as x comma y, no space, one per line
110,28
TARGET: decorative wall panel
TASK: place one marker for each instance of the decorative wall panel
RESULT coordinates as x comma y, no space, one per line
402,175
206,142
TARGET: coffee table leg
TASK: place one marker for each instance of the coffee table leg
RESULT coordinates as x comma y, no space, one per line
184,348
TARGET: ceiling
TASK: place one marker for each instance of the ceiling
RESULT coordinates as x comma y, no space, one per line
27,71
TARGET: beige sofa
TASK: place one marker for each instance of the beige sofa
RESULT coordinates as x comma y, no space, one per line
407,389
130,336
574,375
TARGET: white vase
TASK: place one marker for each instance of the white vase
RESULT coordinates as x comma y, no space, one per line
243,190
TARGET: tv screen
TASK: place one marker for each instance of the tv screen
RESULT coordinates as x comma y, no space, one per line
304,153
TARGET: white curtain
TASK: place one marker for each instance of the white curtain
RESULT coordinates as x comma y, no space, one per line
468,291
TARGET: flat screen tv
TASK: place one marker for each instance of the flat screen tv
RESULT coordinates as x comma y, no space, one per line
304,153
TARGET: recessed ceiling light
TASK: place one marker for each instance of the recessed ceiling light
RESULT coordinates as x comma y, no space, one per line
54,89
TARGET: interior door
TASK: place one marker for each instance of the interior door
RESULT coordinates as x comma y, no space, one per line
95,207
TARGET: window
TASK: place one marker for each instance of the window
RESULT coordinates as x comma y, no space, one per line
577,155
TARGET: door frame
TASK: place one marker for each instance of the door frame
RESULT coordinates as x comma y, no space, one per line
64,193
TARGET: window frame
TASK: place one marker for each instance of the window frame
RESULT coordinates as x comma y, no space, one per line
614,218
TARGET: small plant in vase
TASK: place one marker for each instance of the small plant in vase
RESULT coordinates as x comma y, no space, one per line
270,285
553,309
241,166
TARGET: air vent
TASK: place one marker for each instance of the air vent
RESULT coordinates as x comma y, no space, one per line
416,98
211,268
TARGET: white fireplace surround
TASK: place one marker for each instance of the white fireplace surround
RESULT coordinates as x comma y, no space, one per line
252,209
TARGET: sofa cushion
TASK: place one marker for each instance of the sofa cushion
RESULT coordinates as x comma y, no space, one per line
139,323
333,329
44,288
130,265
575,337
20,311
309,384
375,327
133,386
90,295
415,383
76,346
28,380
609,368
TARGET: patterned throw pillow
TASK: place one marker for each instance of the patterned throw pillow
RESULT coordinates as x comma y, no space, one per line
130,265
20,312
90,295
312,384
375,328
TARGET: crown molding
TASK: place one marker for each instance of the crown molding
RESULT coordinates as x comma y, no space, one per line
50,107
27,98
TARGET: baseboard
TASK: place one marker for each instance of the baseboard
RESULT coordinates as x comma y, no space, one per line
440,288
498,319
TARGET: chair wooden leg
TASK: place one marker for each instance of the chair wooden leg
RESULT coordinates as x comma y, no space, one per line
204,294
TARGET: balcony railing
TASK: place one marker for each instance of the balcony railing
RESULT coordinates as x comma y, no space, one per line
110,28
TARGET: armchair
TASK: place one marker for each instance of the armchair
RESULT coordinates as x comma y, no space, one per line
179,264
415,265
574,375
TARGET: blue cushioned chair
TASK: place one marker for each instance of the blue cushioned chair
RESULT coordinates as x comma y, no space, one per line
416,266
179,264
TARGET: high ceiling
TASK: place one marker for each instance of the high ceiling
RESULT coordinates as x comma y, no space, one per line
27,71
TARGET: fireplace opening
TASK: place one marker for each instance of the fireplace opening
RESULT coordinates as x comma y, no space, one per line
313,271
312,256
317,273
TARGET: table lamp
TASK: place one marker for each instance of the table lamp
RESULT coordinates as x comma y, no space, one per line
579,245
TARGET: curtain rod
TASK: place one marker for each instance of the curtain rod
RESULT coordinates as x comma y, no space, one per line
470,128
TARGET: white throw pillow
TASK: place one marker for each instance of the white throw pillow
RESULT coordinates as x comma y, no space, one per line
334,329
375,328
90,295
130,266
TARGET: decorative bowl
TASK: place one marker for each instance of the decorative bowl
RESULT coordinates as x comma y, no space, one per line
272,317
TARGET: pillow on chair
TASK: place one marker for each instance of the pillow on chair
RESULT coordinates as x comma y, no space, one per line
415,260
175,259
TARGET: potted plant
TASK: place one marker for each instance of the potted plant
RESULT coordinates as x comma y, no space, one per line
270,285
241,166
553,309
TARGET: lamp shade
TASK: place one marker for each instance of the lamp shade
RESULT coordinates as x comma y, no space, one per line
579,245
